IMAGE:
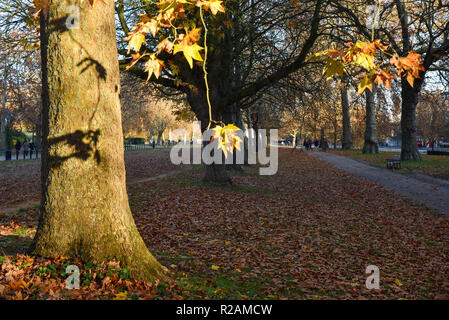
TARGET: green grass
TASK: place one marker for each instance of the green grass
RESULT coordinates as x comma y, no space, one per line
17,162
225,285
21,231
220,284
437,166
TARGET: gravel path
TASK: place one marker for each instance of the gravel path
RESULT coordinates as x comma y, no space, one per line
432,192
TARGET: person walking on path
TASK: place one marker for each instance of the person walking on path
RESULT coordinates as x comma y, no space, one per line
17,146
25,149
31,149
306,145
317,144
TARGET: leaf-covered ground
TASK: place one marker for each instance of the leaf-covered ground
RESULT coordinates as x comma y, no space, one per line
307,233
20,180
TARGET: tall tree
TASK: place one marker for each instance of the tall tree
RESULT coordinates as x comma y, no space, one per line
420,26
371,144
347,134
84,209
249,52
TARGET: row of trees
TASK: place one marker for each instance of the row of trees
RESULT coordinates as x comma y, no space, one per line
147,114
253,47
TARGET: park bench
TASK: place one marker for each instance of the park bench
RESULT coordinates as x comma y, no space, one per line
394,163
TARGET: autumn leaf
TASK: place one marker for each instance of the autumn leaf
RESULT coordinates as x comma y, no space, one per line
122,296
333,68
154,65
215,268
227,138
364,60
367,82
40,6
136,41
191,52
214,6
165,45
383,77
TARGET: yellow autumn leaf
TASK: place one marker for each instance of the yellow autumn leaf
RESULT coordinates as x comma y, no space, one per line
136,42
154,65
227,243
364,60
333,68
367,82
122,296
227,138
398,282
191,52
214,267
214,6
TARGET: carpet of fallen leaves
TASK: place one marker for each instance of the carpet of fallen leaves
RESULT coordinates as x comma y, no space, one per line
308,232
20,180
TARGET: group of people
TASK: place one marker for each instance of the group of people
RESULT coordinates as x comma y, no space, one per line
309,145
28,147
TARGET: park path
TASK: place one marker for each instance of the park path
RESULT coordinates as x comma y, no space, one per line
432,192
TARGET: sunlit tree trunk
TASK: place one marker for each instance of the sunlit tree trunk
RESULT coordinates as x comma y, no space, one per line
371,144
84,209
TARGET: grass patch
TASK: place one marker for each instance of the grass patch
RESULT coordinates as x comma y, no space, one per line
432,165
12,163
227,286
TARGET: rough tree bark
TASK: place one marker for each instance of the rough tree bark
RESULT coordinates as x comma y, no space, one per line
409,150
347,135
84,209
159,137
371,144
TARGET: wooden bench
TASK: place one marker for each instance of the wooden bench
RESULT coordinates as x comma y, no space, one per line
394,163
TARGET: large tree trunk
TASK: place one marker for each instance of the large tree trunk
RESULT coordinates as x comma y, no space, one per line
371,144
294,137
347,135
84,209
3,142
212,172
410,96
159,137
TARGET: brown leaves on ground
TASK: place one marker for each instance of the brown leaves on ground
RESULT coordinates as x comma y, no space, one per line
307,233
20,187
23,277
